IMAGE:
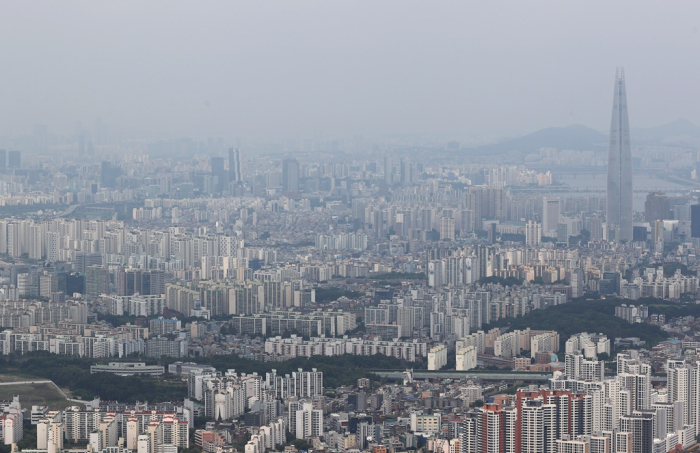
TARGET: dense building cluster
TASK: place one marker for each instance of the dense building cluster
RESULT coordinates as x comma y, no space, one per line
186,264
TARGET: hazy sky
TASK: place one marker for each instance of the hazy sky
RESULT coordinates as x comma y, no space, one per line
292,68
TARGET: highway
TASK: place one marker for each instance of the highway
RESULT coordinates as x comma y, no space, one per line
487,375
471,374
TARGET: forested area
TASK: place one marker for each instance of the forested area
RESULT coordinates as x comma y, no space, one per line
594,316
331,293
337,370
73,373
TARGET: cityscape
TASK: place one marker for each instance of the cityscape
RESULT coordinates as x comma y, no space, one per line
381,291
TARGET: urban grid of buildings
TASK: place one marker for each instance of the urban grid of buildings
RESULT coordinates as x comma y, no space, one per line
146,262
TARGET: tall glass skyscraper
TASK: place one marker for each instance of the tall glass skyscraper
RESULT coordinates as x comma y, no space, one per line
619,193
234,165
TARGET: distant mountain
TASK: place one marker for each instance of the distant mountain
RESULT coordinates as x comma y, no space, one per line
575,137
675,130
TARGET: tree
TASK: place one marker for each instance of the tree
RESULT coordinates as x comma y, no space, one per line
432,235
594,316
671,268
301,444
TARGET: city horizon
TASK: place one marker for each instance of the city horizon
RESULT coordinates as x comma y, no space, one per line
349,227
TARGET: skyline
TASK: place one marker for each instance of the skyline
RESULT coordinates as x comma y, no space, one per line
349,227
361,68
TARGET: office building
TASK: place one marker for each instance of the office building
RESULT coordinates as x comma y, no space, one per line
407,170
491,232
128,369
550,214
619,189
219,172
109,174
388,171
14,159
290,175
81,260
609,284
140,281
656,207
96,281
234,165
695,221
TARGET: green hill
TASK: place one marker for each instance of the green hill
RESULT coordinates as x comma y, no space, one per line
594,316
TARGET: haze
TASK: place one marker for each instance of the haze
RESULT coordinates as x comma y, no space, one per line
284,69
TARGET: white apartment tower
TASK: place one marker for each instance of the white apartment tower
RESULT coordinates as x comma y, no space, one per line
305,421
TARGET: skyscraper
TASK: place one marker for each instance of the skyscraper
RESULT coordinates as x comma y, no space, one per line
290,175
533,233
407,169
96,281
218,170
388,170
14,159
656,207
140,281
695,221
619,193
551,214
110,173
234,165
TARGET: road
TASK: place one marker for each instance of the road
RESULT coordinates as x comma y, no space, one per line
483,375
